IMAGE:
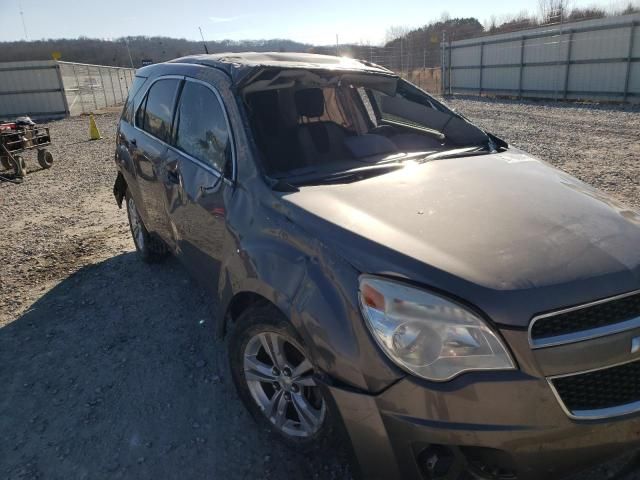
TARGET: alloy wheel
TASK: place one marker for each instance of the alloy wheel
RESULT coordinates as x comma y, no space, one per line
280,379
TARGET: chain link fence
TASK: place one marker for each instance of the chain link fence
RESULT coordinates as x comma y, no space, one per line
92,87
420,66
418,62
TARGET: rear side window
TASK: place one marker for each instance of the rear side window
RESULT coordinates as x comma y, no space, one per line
127,111
202,130
155,112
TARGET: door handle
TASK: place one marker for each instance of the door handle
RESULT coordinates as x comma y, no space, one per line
133,141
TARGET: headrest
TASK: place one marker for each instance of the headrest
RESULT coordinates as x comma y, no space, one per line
267,109
310,102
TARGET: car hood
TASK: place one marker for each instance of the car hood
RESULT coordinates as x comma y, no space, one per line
505,231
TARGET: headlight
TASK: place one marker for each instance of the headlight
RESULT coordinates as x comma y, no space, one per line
426,334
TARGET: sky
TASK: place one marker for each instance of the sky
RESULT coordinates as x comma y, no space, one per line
315,22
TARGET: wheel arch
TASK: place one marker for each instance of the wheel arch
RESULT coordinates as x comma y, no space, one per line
313,286
326,320
238,304
120,188
252,292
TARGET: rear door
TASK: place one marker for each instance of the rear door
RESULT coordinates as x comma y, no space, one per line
127,134
199,184
153,121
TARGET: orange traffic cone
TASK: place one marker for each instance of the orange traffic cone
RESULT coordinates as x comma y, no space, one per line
94,133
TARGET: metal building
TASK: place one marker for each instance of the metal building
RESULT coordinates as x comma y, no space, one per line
32,88
594,59
49,89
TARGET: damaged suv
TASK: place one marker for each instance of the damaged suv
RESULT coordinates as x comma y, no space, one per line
386,269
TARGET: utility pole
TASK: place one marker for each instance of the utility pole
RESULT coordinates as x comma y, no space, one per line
442,63
24,24
401,59
126,42
337,46
206,50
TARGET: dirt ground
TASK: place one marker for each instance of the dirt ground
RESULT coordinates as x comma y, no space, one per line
108,366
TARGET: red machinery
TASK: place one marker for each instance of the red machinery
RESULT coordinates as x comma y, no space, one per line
21,135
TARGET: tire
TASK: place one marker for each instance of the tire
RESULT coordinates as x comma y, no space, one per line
4,162
45,159
322,426
19,166
150,248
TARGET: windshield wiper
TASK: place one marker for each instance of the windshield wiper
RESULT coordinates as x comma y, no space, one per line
421,128
287,182
458,152
280,185
343,176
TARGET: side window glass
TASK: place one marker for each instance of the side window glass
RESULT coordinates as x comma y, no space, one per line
127,111
154,115
140,112
364,96
407,111
202,129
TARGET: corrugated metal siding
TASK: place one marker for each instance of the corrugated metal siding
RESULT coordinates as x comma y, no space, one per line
49,89
503,78
501,54
553,30
31,88
465,78
594,78
542,78
601,44
548,49
92,87
593,59
634,78
466,56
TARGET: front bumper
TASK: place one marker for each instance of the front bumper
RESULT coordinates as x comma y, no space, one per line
509,423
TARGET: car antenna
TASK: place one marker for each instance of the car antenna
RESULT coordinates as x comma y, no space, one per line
206,50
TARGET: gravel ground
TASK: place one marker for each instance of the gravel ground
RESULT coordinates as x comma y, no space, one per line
108,366
599,144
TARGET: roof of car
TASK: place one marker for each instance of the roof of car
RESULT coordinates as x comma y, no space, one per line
238,65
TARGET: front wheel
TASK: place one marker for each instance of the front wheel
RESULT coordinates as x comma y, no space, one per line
45,158
150,248
274,377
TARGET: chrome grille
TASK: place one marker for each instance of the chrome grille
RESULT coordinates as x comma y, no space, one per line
600,393
595,319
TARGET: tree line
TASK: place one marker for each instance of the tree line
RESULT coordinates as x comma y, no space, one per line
408,50
128,51
404,49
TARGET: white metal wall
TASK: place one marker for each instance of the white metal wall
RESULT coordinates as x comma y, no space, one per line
92,87
32,88
595,59
48,89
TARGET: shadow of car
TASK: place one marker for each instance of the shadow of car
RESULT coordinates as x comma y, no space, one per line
111,374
